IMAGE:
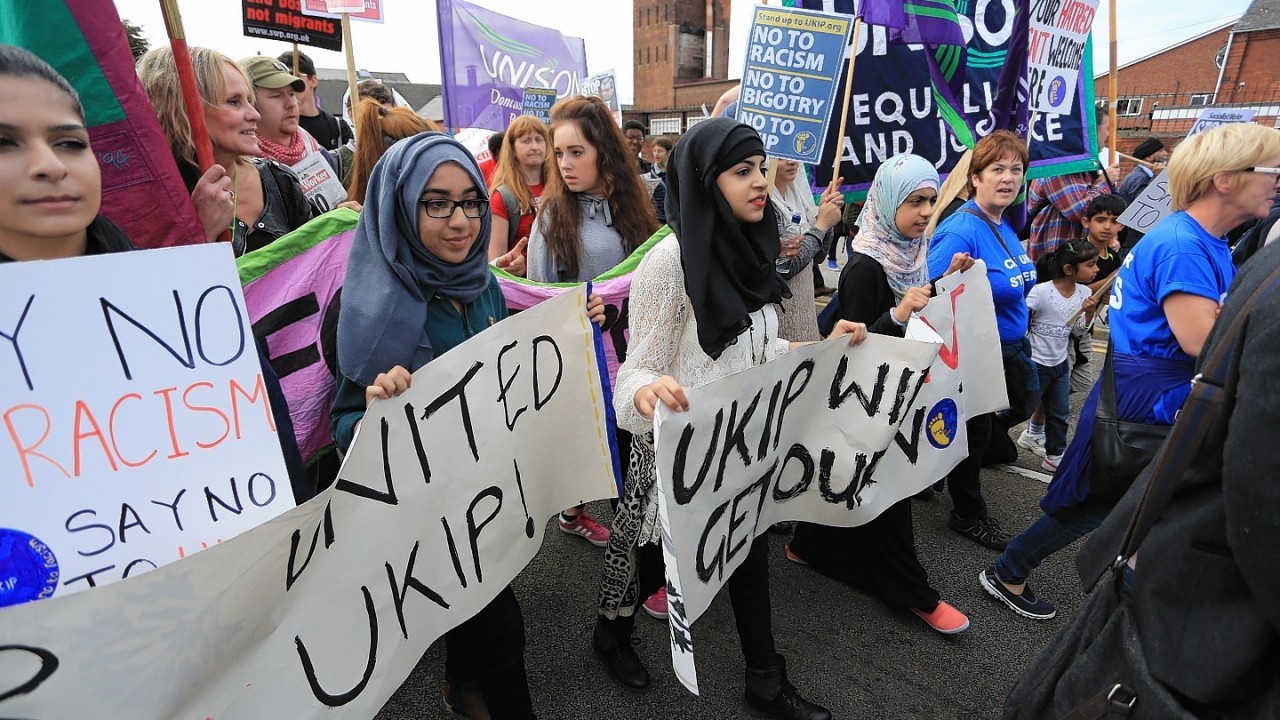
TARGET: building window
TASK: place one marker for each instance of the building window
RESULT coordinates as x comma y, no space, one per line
694,121
1201,99
1129,106
664,126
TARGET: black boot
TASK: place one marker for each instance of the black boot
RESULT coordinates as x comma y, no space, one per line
769,692
612,642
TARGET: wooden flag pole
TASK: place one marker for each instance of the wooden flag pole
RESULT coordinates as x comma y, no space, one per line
187,83
351,68
844,110
1111,84
295,59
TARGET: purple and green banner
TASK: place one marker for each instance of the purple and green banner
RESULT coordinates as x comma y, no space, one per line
614,287
487,60
292,289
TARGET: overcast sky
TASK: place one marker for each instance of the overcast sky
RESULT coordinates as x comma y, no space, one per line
408,42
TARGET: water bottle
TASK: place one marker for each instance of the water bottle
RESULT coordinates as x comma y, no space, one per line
790,234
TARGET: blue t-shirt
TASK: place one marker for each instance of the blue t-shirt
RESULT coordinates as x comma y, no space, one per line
1178,256
1010,270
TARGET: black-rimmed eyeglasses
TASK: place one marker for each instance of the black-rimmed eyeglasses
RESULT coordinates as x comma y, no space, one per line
442,209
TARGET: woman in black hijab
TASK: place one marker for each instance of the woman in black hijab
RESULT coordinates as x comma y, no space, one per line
703,306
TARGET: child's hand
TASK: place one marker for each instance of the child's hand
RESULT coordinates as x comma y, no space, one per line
387,385
595,309
857,332
1090,303
666,390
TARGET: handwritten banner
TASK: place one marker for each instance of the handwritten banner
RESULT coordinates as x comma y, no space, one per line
1155,203
324,611
828,433
1059,37
136,427
293,289
789,85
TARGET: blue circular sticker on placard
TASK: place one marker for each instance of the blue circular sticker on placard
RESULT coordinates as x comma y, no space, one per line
1057,91
942,423
28,568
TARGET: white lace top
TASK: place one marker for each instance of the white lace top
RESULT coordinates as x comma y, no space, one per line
664,337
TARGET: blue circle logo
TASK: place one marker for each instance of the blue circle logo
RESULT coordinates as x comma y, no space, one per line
805,142
28,568
1057,91
942,423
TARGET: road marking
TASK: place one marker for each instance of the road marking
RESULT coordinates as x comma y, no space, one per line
1024,472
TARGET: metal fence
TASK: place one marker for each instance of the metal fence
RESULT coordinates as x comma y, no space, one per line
1173,114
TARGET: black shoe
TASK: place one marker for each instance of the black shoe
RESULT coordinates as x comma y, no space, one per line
1027,604
1001,450
985,531
770,694
823,291
622,662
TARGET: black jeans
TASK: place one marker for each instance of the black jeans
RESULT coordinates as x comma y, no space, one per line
748,595
489,648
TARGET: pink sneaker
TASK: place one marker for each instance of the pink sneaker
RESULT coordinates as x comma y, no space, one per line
586,527
945,619
656,605
793,557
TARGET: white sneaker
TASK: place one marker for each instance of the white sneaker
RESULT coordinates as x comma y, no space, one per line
1050,463
1034,443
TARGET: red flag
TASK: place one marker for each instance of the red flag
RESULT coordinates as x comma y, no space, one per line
84,40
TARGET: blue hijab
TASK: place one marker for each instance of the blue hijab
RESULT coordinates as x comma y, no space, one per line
391,276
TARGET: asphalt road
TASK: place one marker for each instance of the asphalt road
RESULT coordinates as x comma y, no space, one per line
845,650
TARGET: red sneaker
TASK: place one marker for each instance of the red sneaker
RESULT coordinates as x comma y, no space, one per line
585,527
656,605
945,619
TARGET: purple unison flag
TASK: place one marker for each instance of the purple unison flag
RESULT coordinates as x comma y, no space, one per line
488,59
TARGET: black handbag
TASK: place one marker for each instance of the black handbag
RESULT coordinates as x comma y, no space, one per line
1121,449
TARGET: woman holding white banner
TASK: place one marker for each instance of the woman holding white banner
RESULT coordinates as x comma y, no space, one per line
703,305
595,212
979,228
425,213
885,281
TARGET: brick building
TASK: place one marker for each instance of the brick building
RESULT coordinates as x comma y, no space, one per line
675,73
1235,65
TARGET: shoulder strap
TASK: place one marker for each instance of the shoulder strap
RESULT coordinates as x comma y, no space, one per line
995,230
513,213
1190,428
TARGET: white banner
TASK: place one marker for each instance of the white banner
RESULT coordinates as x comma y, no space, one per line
136,427
1059,32
324,611
827,433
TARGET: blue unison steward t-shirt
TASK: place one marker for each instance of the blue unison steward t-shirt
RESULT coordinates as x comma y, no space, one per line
1178,256
1010,270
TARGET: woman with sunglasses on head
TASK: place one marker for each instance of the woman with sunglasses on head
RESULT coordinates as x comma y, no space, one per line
703,306
257,200
595,212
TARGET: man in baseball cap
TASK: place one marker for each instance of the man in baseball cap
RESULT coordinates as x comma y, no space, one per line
265,72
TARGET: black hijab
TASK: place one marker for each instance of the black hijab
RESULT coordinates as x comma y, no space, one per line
728,266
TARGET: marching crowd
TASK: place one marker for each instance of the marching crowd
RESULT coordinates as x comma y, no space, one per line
732,286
